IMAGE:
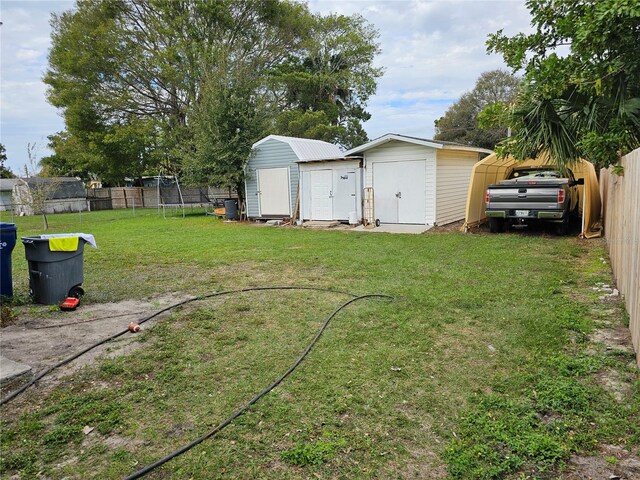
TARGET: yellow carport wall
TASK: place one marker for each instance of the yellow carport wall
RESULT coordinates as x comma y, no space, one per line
493,169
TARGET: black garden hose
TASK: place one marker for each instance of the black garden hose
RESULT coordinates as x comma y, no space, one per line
143,471
15,393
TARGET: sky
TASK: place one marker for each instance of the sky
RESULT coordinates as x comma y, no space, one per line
432,53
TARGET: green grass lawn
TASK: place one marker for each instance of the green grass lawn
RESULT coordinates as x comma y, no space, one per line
481,367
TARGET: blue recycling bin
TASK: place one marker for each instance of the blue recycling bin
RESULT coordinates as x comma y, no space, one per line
8,237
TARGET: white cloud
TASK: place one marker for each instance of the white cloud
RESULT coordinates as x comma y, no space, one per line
27,54
432,51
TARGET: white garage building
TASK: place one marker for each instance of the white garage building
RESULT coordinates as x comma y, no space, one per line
416,180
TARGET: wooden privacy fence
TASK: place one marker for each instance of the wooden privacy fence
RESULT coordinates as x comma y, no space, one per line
152,197
134,197
99,199
621,218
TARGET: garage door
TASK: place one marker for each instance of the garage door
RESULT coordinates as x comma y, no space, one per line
399,191
273,190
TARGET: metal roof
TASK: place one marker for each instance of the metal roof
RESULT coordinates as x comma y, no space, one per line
61,187
8,183
306,148
440,144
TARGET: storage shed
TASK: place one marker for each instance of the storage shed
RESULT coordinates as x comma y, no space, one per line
272,174
331,189
417,180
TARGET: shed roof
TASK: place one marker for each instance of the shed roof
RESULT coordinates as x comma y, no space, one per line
305,148
439,144
7,184
61,187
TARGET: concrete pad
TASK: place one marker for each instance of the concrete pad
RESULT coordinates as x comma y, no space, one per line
11,371
394,228
320,224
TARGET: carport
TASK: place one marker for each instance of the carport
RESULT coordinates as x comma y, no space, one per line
493,170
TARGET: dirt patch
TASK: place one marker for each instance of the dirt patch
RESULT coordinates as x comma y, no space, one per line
611,463
112,442
178,430
616,339
548,418
421,463
612,381
450,227
41,337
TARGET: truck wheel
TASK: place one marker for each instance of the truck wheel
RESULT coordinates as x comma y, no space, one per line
496,225
562,228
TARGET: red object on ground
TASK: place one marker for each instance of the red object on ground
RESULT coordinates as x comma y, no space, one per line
71,303
134,327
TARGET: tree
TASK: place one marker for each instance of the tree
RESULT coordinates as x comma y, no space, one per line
71,159
129,75
5,172
460,123
229,119
39,187
141,81
582,81
322,91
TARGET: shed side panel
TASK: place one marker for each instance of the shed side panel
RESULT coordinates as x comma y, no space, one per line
271,154
454,173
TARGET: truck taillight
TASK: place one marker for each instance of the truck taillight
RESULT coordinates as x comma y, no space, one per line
560,196
486,197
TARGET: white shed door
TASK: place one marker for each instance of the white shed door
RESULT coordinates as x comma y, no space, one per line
344,195
273,190
321,182
399,191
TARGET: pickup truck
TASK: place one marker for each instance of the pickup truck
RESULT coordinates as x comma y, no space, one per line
532,195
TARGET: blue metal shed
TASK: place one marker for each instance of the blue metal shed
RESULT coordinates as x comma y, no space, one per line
272,174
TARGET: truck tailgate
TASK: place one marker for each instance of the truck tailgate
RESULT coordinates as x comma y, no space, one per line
524,197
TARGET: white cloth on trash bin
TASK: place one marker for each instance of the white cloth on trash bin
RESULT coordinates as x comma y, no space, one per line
87,237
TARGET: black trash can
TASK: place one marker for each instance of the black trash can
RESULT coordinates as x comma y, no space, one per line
53,275
231,209
8,237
